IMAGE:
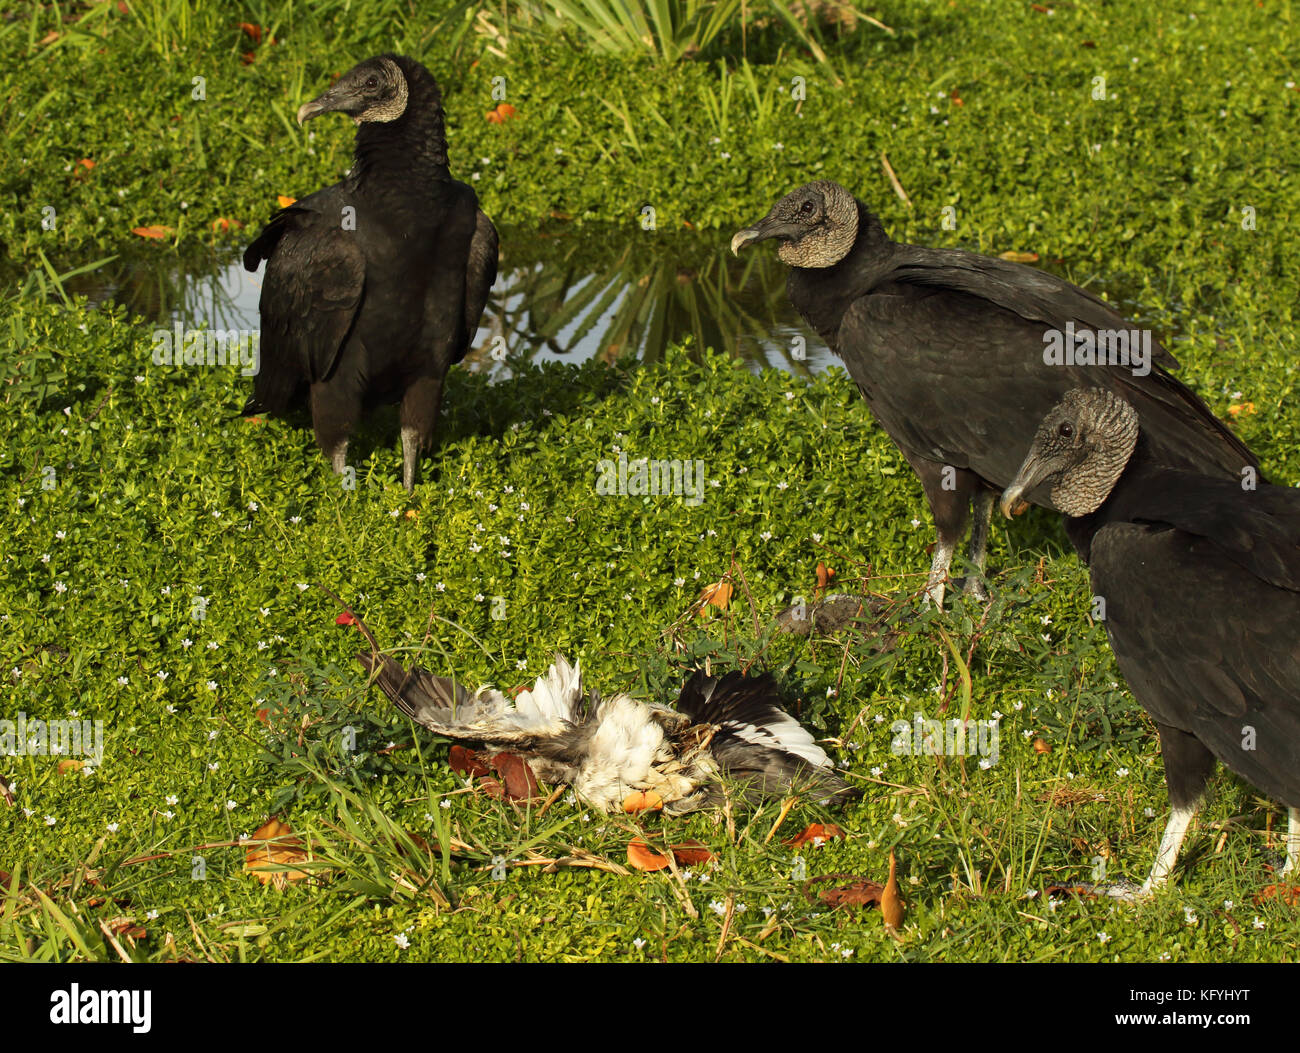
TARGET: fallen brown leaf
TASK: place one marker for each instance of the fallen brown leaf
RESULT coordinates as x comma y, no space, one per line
284,200
66,766
1042,747
690,853
716,595
156,233
517,776
1016,256
641,856
275,847
463,761
815,834
1288,894
891,904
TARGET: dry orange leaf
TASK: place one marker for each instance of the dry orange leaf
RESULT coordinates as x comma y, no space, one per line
1288,894
1042,747
275,847
66,766
50,37
641,856
1015,256
824,575
285,200
1241,407
689,853
716,595
221,225
816,834
891,906
155,232
85,162
501,114
465,761
411,513
516,776
643,801
254,31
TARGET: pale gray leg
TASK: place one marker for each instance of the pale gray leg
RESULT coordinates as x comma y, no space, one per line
934,585
339,457
1292,864
979,541
410,454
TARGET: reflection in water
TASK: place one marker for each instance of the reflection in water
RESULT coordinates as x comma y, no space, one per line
567,295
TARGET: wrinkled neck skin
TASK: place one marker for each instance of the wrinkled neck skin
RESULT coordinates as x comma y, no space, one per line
1123,505
822,294
408,153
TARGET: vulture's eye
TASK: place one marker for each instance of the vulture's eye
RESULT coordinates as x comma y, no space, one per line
806,209
1065,430
372,83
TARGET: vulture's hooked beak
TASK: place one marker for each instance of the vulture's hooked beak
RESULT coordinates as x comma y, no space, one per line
767,227
1035,469
326,102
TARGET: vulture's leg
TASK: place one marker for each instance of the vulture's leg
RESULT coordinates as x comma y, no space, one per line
1188,767
1292,843
949,491
419,415
335,408
981,523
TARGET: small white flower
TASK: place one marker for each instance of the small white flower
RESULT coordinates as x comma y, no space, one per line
231,805
50,820
112,828
1121,772
401,938
172,798
1104,937
1259,923
214,766
717,906
638,943
123,681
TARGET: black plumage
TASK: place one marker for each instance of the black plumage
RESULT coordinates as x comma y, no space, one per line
374,286
1200,579
948,348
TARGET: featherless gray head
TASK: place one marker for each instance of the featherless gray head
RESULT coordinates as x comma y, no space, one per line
816,225
371,91
1081,449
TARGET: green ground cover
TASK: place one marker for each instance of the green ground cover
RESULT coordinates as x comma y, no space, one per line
130,490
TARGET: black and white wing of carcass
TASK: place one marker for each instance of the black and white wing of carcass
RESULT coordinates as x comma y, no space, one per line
758,741
550,710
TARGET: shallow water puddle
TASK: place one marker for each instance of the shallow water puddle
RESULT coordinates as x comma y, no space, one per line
568,295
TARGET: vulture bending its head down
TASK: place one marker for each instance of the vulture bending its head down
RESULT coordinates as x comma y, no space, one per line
960,356
1200,581
374,286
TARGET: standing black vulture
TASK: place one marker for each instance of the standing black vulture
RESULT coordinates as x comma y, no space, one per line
955,354
1201,583
612,750
374,286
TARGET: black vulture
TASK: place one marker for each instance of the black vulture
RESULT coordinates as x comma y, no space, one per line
617,749
956,354
374,286
1200,578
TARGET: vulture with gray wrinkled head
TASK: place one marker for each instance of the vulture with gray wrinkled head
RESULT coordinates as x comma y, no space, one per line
374,286
1200,578
617,749
955,354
